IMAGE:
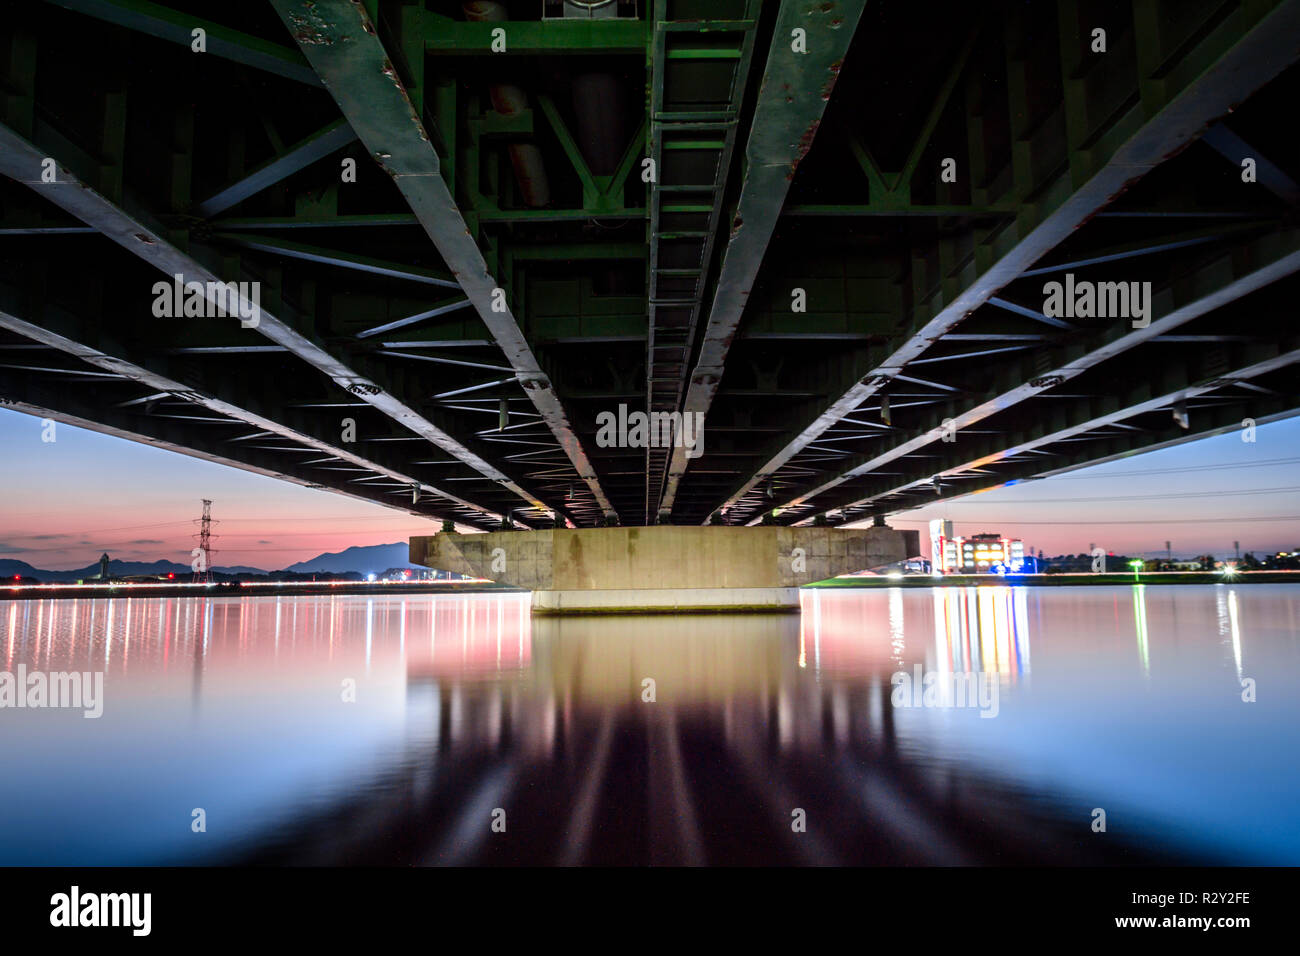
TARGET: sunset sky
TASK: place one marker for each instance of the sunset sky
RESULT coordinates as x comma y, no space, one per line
67,501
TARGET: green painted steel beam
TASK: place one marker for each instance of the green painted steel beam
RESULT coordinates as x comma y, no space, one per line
1078,421
44,401
65,332
488,213
887,209
1271,258
583,251
1221,419
570,37
362,221
23,161
294,159
177,27
590,191
1206,80
903,180
341,42
692,151
796,88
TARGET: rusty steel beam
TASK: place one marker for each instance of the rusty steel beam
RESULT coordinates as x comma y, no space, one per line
1210,423
341,42
1287,355
796,88
1135,143
1271,258
177,27
32,398
23,161
51,334
295,158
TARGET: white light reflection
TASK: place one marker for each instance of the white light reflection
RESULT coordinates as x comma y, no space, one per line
1236,631
1140,622
896,640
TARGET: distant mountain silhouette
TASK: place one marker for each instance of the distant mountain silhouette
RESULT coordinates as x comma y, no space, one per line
375,558
10,567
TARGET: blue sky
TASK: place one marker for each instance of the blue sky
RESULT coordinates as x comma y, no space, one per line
1200,496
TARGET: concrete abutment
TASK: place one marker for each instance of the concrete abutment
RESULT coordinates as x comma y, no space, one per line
665,568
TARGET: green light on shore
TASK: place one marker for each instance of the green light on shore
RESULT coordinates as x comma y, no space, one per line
1136,565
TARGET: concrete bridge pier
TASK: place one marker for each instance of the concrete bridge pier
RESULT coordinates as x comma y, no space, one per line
664,568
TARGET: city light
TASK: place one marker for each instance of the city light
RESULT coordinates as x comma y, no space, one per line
978,554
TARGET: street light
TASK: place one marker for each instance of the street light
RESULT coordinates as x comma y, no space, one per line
1136,565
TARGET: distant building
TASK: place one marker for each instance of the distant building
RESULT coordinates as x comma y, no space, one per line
103,567
1085,563
945,547
421,574
982,553
978,554
1282,561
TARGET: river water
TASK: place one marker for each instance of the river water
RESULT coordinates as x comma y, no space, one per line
881,726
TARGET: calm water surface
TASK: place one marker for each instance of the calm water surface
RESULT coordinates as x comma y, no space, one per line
1125,699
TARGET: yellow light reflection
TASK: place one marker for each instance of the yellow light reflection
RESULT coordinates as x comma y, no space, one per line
982,628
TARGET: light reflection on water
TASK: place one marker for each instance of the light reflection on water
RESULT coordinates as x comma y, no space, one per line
1123,698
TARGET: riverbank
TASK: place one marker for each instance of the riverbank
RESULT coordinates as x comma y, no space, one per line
1059,580
41,592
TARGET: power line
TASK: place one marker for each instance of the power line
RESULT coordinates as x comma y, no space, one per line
1183,470
1138,521
129,527
1161,497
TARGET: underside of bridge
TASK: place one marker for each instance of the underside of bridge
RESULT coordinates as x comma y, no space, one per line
479,229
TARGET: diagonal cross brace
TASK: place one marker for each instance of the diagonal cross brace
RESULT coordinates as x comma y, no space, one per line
340,41
1142,142
23,162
